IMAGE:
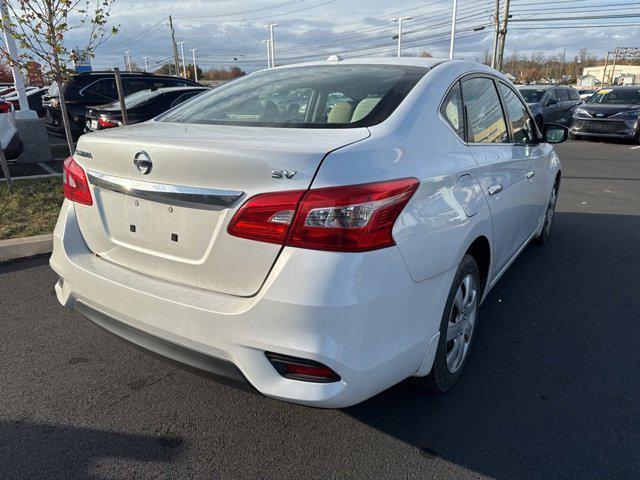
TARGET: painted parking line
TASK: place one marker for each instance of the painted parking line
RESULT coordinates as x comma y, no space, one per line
46,167
634,148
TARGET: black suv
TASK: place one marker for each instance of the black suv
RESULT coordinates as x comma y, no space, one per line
90,89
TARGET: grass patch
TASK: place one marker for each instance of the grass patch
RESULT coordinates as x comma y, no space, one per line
31,208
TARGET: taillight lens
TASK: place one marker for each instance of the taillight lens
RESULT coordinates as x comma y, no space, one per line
76,186
354,218
266,217
105,122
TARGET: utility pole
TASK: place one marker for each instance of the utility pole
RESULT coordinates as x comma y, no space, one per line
503,34
176,62
127,58
195,67
146,65
564,52
272,44
184,65
454,14
399,21
604,72
496,20
613,67
268,43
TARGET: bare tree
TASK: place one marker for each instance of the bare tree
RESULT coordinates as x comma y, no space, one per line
40,27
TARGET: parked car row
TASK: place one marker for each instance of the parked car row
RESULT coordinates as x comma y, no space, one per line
91,89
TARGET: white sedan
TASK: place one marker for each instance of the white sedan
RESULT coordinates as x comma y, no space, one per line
318,232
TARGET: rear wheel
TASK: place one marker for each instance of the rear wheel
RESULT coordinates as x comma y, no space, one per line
548,217
456,328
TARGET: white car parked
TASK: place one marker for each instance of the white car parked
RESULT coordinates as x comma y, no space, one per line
318,231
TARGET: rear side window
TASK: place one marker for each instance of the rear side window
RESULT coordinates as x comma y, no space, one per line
322,96
451,110
133,85
103,89
486,123
521,123
573,94
562,94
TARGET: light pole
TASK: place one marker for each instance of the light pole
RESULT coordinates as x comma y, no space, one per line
454,14
195,68
268,43
146,65
399,21
184,65
273,43
128,59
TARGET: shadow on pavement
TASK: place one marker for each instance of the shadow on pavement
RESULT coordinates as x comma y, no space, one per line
552,386
57,451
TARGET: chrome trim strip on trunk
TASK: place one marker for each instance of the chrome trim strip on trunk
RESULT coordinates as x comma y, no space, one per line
164,192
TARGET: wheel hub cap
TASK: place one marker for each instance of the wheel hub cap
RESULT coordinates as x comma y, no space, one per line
461,323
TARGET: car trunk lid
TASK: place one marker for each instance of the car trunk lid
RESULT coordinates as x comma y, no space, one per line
171,222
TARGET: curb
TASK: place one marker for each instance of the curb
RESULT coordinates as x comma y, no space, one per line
16,248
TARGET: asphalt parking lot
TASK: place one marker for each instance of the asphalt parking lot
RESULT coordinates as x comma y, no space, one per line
550,391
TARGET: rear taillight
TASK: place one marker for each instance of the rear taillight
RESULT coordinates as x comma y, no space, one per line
76,186
105,122
354,218
266,217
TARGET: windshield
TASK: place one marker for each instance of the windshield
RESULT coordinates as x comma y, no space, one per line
532,95
53,90
616,96
331,96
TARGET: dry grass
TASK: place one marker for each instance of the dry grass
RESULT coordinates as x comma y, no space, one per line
31,208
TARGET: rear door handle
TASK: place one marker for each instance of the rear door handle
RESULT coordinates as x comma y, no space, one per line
531,174
493,189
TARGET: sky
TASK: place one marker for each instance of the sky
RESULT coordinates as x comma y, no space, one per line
230,32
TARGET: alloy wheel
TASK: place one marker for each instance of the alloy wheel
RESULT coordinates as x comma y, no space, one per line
461,322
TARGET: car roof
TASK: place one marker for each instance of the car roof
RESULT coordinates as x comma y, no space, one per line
402,61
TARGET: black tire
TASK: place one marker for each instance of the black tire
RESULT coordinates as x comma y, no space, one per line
441,379
545,234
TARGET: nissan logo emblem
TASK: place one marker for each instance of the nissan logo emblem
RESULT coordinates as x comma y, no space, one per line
143,162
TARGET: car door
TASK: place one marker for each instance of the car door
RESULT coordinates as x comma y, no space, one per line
535,155
500,170
550,107
564,106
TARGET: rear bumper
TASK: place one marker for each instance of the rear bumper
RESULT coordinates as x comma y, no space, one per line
221,370
361,315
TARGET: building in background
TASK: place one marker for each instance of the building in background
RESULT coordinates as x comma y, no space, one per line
623,74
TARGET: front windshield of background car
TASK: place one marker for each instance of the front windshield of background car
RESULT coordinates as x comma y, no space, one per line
322,96
622,96
53,90
532,95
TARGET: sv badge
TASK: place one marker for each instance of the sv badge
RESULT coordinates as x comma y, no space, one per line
283,173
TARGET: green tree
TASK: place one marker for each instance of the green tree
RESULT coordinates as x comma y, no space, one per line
40,28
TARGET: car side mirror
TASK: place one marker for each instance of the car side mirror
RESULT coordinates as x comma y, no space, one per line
554,133
551,102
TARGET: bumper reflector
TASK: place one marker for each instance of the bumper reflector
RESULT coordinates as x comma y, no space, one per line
301,369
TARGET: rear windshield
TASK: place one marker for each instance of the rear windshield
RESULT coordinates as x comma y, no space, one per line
325,96
616,96
136,99
532,95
